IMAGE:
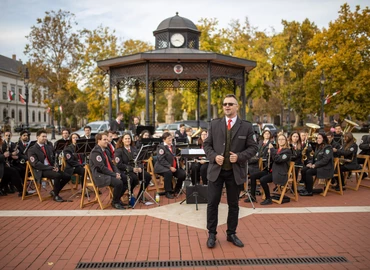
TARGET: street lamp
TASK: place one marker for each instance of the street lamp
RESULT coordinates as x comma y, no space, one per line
26,81
322,82
289,113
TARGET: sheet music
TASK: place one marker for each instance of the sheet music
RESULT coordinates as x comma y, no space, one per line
196,152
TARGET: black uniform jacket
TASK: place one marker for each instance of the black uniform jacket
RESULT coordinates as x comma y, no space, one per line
73,160
262,152
114,126
280,166
323,160
350,154
98,165
164,158
2,163
22,148
124,159
335,145
365,145
36,157
243,143
296,156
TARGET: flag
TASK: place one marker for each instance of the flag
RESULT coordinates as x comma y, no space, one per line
60,109
22,99
327,99
48,110
11,95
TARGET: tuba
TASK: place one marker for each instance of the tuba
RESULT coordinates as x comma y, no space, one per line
199,130
350,125
312,134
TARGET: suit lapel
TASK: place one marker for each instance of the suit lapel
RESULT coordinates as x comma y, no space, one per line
223,128
235,128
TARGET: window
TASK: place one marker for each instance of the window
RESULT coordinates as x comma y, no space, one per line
20,91
44,116
39,116
20,116
13,114
5,96
33,116
5,114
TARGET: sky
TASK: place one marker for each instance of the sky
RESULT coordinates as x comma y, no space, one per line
137,19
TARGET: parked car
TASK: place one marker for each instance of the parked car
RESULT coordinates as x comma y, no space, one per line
257,129
171,127
20,128
96,127
194,124
270,127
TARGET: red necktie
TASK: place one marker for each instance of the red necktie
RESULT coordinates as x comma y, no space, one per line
229,124
108,163
46,156
174,159
79,158
129,150
112,150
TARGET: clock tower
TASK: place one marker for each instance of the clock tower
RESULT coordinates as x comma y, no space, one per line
176,32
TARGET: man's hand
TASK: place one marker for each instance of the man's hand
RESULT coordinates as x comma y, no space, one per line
233,157
173,169
118,175
55,169
219,160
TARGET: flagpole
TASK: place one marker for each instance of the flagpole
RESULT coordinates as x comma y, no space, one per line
322,82
26,81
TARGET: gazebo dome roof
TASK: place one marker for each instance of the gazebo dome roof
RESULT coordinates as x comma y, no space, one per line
176,22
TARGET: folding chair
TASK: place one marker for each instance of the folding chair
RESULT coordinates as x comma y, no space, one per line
327,182
359,173
291,185
89,182
77,177
158,184
30,176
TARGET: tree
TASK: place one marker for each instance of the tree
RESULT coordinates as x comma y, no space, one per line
343,53
53,50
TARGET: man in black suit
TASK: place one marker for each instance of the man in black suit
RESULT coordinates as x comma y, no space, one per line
134,125
87,135
104,172
117,124
231,142
41,157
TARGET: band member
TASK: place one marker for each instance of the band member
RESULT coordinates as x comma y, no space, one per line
23,142
9,176
280,167
168,166
117,124
333,143
134,125
110,143
104,172
348,156
253,164
338,134
231,142
41,157
63,141
320,165
181,134
199,167
145,134
296,148
365,150
75,162
87,131
124,157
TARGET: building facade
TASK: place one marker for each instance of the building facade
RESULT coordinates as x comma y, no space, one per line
12,98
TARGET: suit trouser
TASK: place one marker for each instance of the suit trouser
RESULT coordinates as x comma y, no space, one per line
264,183
60,179
81,172
12,176
118,190
179,174
214,197
307,177
254,178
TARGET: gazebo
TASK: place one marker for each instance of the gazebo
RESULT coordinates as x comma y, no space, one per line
176,63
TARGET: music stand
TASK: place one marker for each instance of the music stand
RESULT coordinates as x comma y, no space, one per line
139,129
191,153
144,154
145,141
84,146
246,191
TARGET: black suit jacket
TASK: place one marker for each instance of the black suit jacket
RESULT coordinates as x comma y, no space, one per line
36,158
243,143
124,159
114,126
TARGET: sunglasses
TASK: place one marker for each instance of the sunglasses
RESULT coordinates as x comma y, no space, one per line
228,104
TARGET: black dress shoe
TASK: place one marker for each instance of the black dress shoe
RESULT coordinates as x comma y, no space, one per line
337,188
211,242
169,195
52,193
118,206
253,199
306,193
58,199
235,240
266,202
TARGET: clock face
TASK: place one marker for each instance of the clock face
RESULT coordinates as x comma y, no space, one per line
177,40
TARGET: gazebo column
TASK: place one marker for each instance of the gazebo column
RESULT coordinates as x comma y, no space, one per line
242,97
209,95
198,103
117,99
110,100
153,104
147,93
